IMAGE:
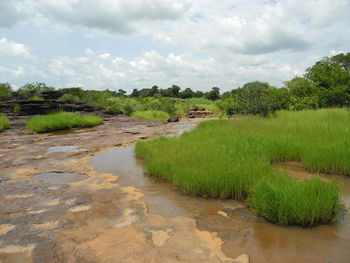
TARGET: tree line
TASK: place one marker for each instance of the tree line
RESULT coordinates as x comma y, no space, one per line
325,84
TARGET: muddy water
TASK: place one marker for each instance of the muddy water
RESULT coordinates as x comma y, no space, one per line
240,229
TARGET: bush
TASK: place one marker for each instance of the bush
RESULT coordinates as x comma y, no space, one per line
151,115
62,121
69,98
5,90
4,123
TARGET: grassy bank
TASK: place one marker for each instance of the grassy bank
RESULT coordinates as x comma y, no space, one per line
62,121
151,115
233,159
4,123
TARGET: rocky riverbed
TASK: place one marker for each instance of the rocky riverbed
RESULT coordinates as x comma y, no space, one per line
56,207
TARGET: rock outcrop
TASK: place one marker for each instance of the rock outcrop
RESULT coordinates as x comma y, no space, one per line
198,112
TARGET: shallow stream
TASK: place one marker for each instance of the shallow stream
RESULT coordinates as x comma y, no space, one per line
240,229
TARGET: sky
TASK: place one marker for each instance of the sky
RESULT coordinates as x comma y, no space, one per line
127,44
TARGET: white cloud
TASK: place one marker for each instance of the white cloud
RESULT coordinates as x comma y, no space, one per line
117,16
10,13
196,44
13,49
104,71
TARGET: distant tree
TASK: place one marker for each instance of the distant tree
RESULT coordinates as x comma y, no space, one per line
153,91
135,93
331,76
214,94
259,98
187,93
75,91
5,90
198,94
121,93
34,87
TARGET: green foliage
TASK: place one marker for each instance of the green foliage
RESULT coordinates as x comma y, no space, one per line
151,115
331,76
34,87
255,98
214,94
228,158
62,121
35,97
69,98
285,200
4,123
5,90
75,91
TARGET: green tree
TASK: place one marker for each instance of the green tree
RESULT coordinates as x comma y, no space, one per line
187,93
34,87
135,93
331,76
259,98
214,94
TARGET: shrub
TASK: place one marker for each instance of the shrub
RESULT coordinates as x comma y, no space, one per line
62,121
4,123
5,90
69,98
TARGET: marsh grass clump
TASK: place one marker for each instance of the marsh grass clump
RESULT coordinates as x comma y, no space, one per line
152,115
234,159
286,200
62,121
4,122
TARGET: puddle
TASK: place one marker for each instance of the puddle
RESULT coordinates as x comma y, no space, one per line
240,229
56,178
57,149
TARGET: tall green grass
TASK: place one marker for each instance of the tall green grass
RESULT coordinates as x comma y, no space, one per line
151,115
62,121
4,123
231,158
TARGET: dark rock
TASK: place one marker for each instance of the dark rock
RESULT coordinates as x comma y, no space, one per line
199,114
173,119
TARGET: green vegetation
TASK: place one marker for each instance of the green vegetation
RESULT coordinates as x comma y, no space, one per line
35,97
5,90
151,115
233,159
69,98
283,199
62,121
325,84
4,123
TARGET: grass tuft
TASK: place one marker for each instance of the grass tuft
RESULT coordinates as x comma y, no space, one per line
62,121
233,159
4,123
151,115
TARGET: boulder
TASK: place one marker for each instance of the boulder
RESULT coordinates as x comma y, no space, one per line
173,119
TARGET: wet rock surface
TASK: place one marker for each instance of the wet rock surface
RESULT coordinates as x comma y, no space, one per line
56,207
101,207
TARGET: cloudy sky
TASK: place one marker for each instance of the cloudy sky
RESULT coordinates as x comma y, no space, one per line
100,44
